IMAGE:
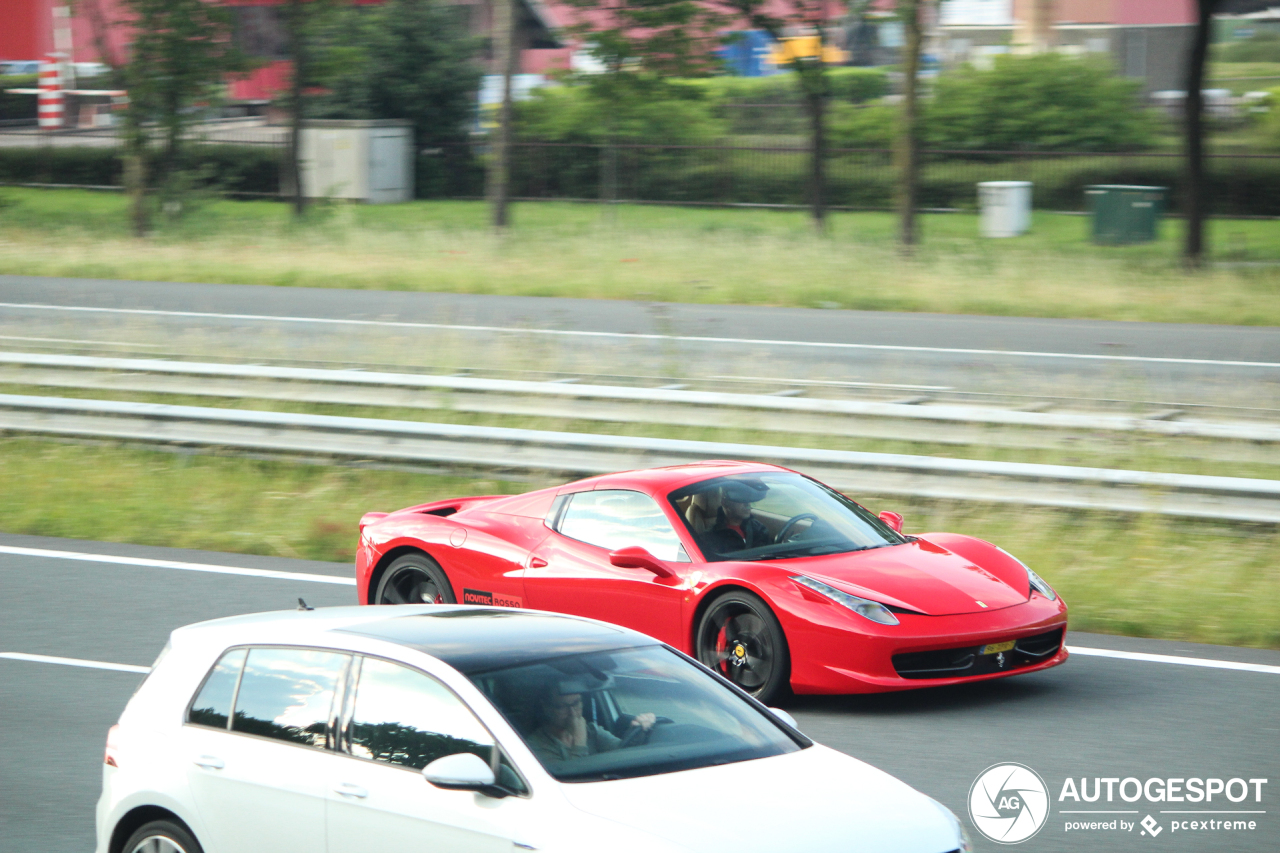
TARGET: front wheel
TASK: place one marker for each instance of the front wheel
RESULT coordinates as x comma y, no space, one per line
740,638
161,836
414,579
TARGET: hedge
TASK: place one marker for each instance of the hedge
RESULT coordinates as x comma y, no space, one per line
859,179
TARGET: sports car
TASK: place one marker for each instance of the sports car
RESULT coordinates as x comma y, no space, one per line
767,576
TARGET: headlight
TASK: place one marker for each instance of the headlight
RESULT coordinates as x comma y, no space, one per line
873,610
965,844
1037,582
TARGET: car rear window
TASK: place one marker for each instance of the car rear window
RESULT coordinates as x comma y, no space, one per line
212,705
287,694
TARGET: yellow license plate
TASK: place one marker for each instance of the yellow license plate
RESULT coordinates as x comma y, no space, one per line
996,648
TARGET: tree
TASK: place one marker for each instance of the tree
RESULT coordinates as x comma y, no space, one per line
178,60
807,57
907,144
638,43
1193,136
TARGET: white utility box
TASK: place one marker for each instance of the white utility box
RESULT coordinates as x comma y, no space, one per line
1006,208
370,161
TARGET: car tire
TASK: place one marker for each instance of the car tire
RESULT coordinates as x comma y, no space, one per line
162,836
739,637
414,579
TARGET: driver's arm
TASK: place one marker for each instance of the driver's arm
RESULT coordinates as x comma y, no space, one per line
599,740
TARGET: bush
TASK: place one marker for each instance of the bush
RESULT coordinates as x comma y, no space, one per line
1043,102
850,85
13,107
643,109
1260,47
225,168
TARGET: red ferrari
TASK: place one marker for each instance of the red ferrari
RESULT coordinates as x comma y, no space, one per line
765,575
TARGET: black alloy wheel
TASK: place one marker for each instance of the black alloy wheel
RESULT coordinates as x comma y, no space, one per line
162,836
740,638
414,579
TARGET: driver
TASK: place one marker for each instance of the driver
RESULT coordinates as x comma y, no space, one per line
565,734
736,529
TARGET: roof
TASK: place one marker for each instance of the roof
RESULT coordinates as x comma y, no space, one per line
468,638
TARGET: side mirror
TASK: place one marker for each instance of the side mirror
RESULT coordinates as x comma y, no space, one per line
635,557
463,771
892,519
785,717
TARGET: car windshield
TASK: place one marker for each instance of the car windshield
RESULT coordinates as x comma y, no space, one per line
628,713
775,516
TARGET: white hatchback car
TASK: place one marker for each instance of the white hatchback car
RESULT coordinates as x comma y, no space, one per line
311,732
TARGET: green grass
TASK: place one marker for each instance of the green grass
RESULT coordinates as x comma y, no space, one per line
1140,576
656,253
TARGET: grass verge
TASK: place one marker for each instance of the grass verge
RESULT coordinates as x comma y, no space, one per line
657,254
1137,575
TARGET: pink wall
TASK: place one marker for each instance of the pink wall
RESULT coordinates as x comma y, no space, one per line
1155,12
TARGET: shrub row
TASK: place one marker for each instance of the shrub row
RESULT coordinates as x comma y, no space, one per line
861,179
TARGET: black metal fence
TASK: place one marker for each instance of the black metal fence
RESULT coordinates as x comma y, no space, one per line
247,161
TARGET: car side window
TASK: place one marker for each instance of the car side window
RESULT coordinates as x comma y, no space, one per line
287,694
620,518
404,717
212,705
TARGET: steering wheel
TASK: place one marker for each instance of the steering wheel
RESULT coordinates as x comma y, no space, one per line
792,522
639,734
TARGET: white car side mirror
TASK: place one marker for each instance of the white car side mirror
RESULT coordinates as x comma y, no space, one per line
785,717
462,771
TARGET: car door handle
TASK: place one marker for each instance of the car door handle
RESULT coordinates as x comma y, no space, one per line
347,789
537,562
210,762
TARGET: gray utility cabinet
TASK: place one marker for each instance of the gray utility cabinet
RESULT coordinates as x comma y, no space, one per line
369,161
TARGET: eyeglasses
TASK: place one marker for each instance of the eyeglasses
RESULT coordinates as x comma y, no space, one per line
564,706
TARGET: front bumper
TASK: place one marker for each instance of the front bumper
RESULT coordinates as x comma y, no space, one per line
847,654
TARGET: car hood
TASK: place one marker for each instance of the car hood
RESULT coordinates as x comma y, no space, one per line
918,575
816,800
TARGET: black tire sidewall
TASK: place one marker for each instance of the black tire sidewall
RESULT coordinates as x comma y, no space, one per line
780,675
175,832
423,563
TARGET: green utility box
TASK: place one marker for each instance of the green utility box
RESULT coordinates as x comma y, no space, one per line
1125,214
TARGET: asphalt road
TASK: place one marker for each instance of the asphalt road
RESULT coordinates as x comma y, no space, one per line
1093,717
1151,362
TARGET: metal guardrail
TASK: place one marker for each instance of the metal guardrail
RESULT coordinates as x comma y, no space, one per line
933,423
501,449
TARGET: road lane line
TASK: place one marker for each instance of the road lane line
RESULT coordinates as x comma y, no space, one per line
637,335
87,664
174,564
1176,659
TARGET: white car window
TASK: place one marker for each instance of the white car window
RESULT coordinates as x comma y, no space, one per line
404,717
212,705
618,518
287,694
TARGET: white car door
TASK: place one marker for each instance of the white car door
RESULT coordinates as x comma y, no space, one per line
400,721
258,776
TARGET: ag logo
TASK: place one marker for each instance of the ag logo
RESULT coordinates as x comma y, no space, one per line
1008,803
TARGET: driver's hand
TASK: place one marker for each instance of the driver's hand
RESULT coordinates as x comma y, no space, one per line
645,721
579,729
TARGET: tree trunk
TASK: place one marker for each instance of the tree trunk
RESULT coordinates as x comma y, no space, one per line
292,178
816,102
907,148
135,181
1193,249
500,164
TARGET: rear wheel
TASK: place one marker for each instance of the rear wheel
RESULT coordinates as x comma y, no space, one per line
414,579
161,836
740,638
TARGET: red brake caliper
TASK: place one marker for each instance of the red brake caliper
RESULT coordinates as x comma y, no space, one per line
722,643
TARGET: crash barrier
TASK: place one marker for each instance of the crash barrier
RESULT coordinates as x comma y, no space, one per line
946,424
497,450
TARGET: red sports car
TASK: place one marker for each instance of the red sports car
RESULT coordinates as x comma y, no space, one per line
765,575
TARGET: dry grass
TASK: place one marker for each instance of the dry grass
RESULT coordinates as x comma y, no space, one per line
664,254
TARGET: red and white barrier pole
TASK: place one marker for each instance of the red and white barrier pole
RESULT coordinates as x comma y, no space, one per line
49,103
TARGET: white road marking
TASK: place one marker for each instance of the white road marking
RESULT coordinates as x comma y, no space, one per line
173,564
1176,659
636,335
88,664
77,341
